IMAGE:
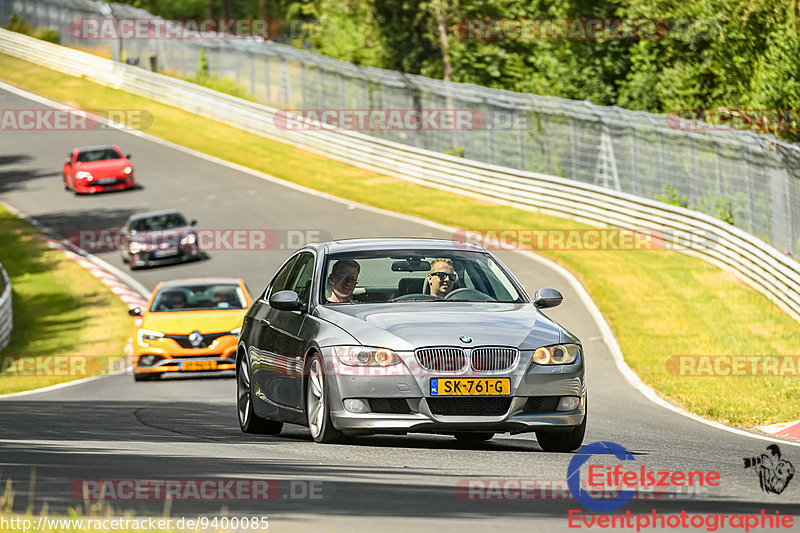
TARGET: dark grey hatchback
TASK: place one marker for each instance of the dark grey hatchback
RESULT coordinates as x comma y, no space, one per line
369,336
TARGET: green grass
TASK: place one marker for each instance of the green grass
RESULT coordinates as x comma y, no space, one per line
60,309
659,303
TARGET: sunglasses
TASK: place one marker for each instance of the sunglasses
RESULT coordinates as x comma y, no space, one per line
452,276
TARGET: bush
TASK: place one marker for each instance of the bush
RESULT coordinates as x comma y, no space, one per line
673,197
48,34
202,63
15,23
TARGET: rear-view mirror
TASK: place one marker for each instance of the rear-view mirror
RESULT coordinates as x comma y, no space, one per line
411,265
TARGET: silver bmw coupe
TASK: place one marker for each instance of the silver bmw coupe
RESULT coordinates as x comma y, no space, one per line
367,336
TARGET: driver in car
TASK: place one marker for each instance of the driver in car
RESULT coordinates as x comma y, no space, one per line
442,277
343,278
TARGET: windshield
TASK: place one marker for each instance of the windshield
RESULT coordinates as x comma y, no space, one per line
98,155
199,298
158,223
409,275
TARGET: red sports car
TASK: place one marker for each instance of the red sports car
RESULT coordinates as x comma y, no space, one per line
97,168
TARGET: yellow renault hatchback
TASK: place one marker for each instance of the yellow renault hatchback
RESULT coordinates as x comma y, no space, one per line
189,325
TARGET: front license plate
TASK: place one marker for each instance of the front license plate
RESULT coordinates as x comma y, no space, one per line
199,365
470,386
165,253
106,181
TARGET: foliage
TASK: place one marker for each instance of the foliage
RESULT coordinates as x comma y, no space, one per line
202,62
50,35
673,197
15,23
732,54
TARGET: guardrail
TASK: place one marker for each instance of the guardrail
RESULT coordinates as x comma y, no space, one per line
6,315
755,262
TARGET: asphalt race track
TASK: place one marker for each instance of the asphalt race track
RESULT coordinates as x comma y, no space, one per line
113,428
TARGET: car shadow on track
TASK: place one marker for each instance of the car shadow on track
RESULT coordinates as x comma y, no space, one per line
11,180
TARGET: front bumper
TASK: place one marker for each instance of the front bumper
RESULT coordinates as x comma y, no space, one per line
168,356
150,258
404,398
121,183
424,421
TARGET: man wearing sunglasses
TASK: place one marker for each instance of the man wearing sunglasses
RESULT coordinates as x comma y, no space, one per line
442,277
343,278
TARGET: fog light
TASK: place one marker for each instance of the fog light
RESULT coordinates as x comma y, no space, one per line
148,360
356,406
568,403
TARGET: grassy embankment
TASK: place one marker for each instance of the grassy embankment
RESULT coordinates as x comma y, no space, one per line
60,310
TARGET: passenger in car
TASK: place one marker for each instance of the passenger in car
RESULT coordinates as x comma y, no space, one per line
343,278
442,277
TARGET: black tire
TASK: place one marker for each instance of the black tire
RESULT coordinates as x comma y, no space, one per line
145,377
319,421
473,437
562,442
249,421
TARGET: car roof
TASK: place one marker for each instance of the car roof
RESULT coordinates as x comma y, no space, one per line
189,282
99,147
373,244
154,214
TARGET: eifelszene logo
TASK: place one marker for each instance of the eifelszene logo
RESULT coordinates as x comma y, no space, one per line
574,476
625,483
774,472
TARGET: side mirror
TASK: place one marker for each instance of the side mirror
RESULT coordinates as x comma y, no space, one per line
135,311
286,301
545,298
128,155
193,222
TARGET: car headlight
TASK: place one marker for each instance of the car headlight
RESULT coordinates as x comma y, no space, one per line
127,170
364,356
136,247
236,332
144,335
82,174
560,354
190,239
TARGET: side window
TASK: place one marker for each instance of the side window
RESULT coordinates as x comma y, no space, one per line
281,279
302,274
